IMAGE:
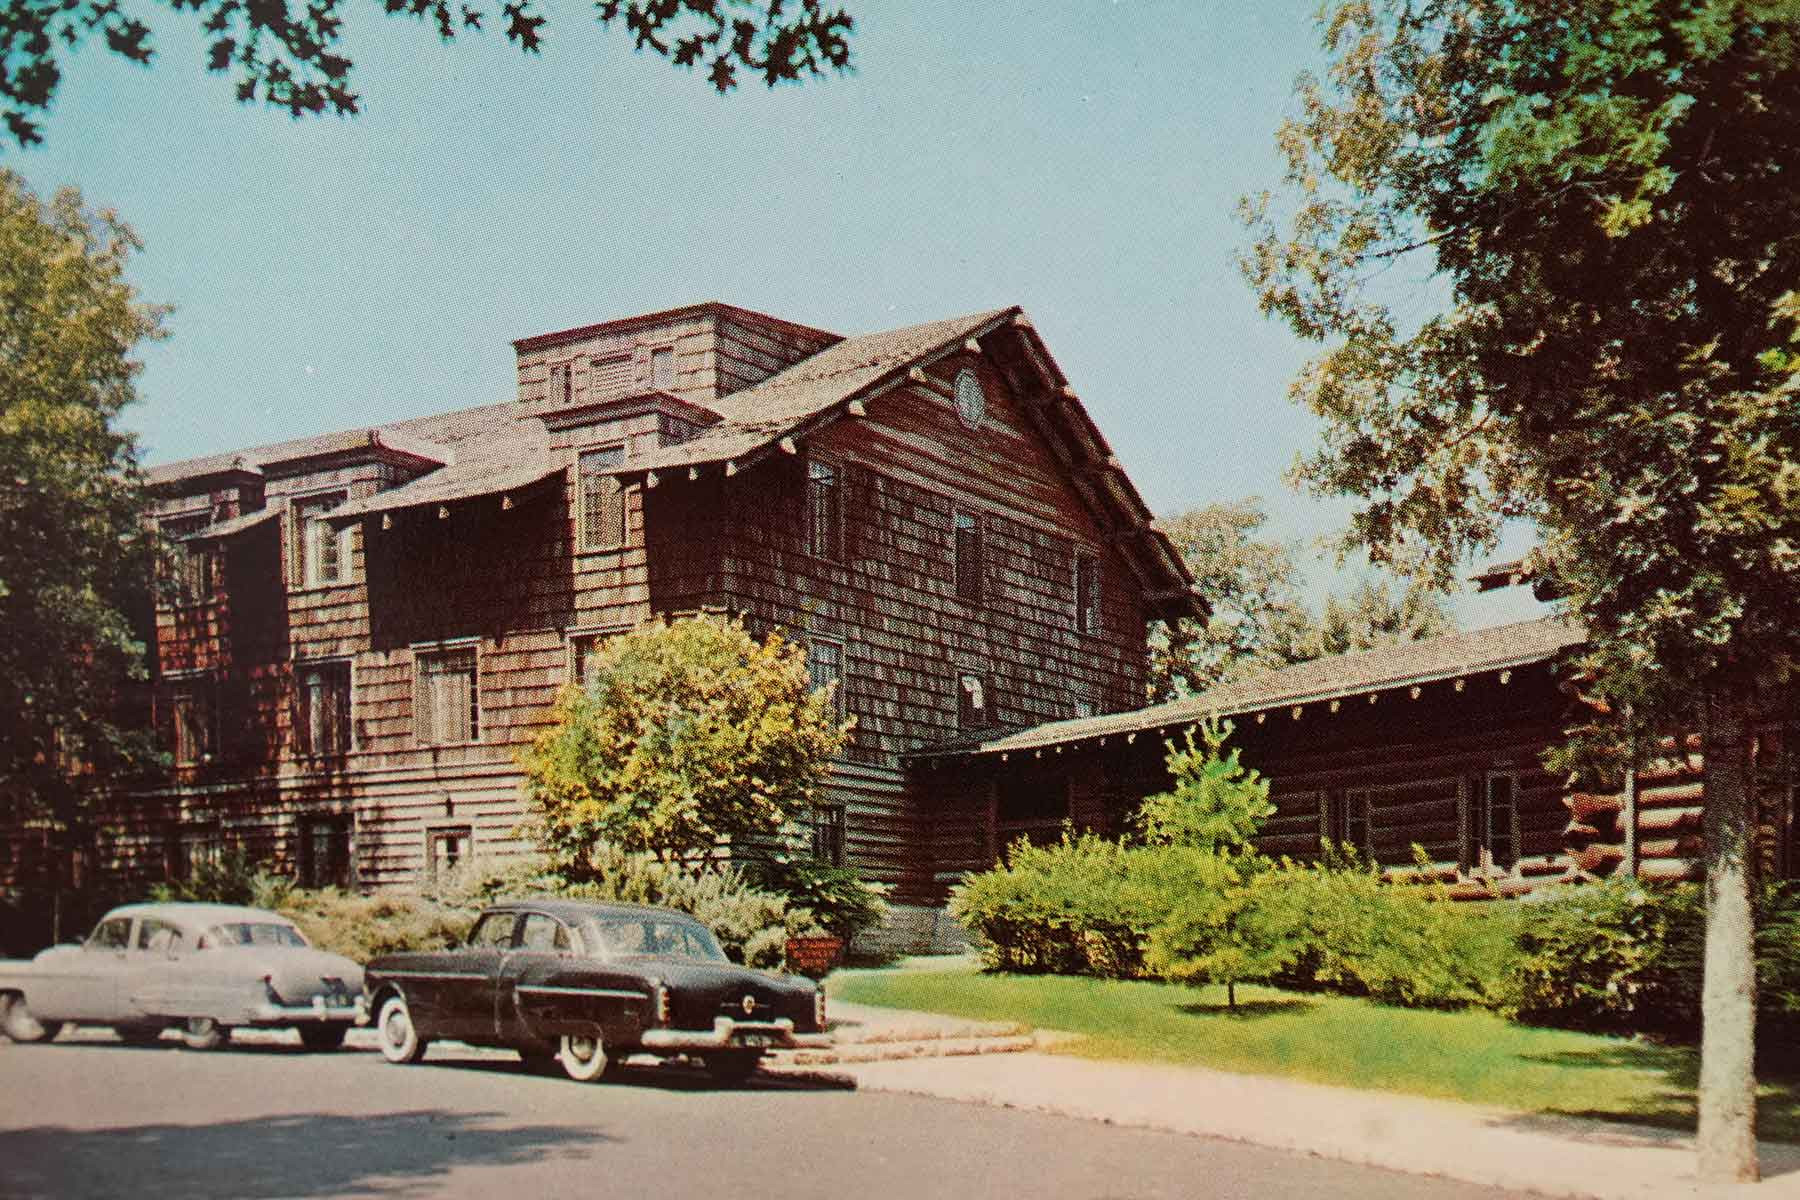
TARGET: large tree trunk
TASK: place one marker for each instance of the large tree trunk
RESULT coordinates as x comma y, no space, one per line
1727,1135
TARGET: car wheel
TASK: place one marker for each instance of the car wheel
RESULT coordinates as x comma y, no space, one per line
139,1035
18,1024
321,1038
400,1041
583,1058
204,1033
733,1066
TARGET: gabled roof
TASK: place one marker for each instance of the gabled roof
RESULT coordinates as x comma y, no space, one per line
1402,664
757,417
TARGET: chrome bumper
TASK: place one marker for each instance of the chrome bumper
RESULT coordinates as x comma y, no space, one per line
318,1010
725,1033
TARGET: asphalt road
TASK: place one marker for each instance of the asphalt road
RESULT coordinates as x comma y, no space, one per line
94,1118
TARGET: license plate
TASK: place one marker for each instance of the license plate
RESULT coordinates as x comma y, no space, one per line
755,1039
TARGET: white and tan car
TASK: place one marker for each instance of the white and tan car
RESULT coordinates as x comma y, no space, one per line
205,969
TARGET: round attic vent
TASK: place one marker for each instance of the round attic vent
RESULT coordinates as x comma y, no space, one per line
971,401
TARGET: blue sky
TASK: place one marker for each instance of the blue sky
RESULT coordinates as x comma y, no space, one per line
1081,158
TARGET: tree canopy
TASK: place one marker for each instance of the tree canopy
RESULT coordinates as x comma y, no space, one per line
1257,618
691,731
287,54
75,558
1602,198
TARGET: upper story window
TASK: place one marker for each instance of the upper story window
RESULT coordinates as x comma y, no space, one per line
446,697
600,518
585,650
322,550
825,667
662,368
1087,592
824,511
322,722
562,385
968,556
974,701
191,568
193,721
1084,708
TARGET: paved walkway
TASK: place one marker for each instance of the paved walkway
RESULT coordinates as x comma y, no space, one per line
1555,1156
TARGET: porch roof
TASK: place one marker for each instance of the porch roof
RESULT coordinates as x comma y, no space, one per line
1452,656
459,481
236,525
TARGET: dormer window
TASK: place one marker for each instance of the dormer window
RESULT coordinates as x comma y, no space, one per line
321,550
562,387
662,368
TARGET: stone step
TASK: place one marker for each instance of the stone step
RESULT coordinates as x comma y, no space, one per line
889,1049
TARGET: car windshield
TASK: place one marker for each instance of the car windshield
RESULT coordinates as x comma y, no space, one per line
623,938
252,933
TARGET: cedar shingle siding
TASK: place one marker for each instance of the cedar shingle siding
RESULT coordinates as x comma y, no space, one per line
456,569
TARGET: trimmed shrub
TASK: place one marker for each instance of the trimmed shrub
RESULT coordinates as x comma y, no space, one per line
1065,908
1404,944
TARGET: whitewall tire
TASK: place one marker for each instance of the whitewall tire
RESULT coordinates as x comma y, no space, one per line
400,1041
583,1058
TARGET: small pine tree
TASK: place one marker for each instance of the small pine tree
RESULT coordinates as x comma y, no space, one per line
1217,804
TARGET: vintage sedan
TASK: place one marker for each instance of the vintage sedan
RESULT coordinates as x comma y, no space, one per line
203,968
590,984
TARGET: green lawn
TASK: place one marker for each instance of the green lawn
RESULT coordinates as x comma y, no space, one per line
1470,1056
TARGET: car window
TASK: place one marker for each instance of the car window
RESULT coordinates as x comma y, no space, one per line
677,939
157,936
114,933
494,930
543,933
252,933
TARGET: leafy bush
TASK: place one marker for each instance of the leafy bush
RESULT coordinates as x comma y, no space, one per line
361,927
1405,944
233,878
1065,908
1216,922
839,899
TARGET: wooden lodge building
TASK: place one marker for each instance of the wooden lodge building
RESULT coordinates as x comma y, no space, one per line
369,625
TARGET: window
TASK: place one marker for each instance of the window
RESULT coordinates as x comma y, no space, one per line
546,935
1346,820
192,721
1083,708
562,389
325,856
191,568
662,368
493,932
828,824
974,707
114,933
322,552
158,937
444,848
1087,592
971,401
446,697
322,724
1493,841
825,666
601,520
196,846
824,511
968,556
